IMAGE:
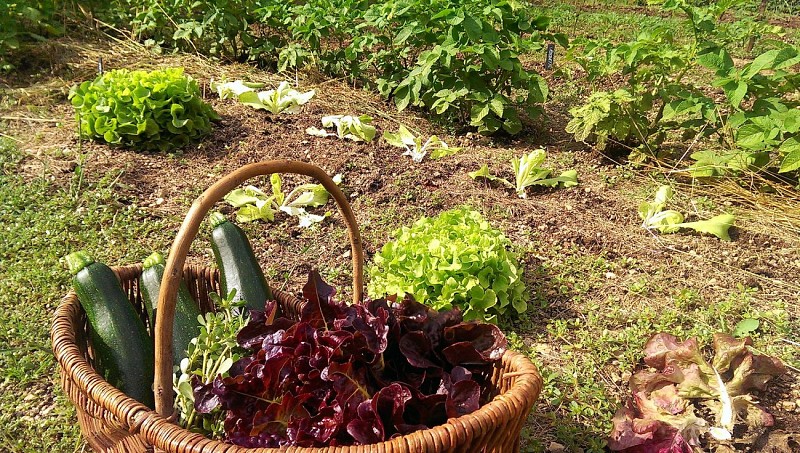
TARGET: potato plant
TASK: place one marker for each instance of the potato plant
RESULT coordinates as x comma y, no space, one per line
458,60
749,109
22,21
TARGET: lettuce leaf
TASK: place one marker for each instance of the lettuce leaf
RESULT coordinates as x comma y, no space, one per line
660,415
655,217
456,259
160,110
415,148
350,374
717,225
527,173
283,99
355,128
254,204
232,90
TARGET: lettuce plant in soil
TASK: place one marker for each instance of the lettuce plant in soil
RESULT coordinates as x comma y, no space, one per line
161,110
668,407
255,204
350,374
527,172
355,128
416,148
456,259
654,217
284,98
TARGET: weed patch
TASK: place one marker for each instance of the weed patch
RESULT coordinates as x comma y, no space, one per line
43,221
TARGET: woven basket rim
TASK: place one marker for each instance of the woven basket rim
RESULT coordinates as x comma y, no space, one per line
139,418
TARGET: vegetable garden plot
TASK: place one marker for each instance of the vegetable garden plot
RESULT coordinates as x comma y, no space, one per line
586,258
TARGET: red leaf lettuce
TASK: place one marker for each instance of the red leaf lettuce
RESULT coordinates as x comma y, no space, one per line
351,374
660,417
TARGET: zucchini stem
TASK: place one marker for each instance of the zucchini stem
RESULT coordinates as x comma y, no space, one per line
77,261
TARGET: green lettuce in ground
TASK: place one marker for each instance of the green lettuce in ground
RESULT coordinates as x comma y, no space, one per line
455,259
161,110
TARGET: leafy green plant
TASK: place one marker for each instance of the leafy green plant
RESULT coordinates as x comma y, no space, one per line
601,116
455,259
414,146
159,110
232,90
467,62
25,20
764,117
355,128
210,354
652,66
528,172
745,327
219,28
654,217
755,118
457,59
712,163
254,204
661,414
284,98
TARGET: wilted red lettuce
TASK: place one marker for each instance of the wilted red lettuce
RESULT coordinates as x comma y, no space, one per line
660,417
351,374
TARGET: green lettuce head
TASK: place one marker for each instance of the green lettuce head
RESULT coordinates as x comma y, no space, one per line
455,259
160,110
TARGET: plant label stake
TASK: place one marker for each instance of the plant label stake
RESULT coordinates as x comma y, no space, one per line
551,53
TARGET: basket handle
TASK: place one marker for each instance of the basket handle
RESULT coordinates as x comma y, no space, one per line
162,385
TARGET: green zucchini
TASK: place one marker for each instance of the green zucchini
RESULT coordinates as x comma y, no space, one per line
237,264
185,326
123,350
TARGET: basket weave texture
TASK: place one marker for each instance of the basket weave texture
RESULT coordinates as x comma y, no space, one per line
110,421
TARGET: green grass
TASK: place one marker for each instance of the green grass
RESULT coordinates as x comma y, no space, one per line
586,347
617,26
604,22
42,221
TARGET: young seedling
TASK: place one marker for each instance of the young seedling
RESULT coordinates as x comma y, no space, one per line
404,138
255,204
654,217
355,128
528,173
283,99
232,90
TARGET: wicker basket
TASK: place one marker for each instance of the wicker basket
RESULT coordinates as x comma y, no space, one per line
110,421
